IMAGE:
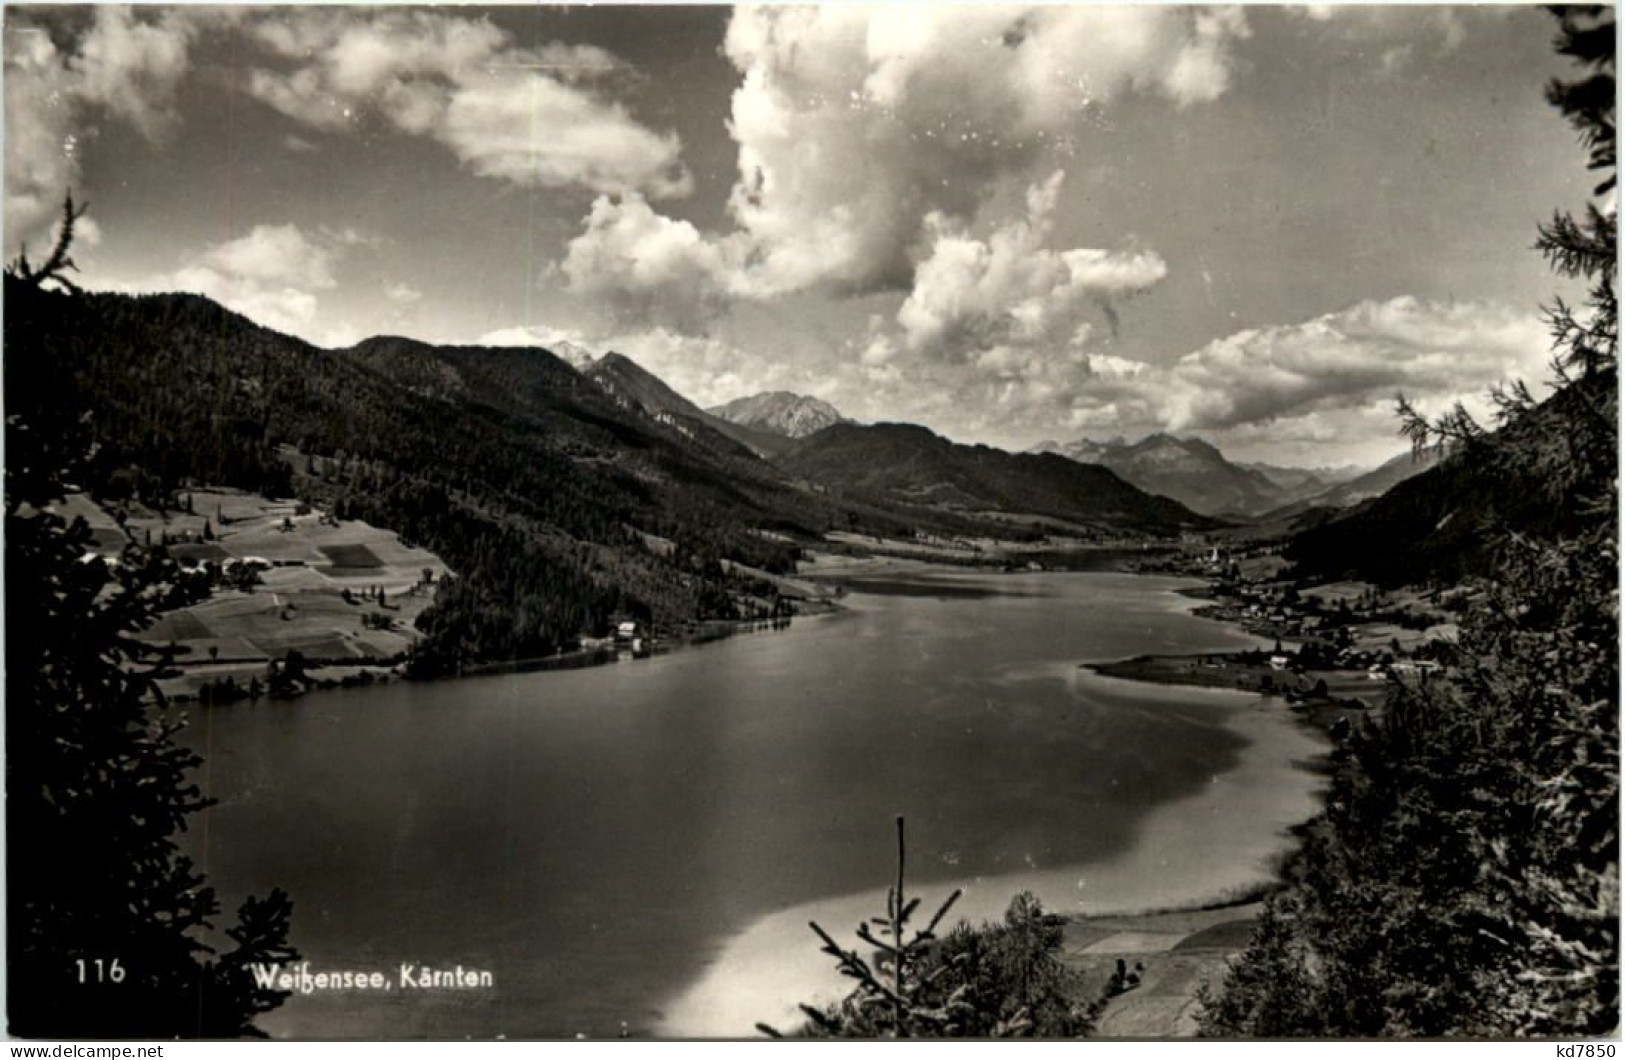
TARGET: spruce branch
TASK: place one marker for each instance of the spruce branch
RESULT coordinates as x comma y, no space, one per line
59,263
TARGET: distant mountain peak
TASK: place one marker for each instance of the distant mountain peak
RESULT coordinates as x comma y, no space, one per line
781,412
908,464
576,356
1192,471
631,385
1201,446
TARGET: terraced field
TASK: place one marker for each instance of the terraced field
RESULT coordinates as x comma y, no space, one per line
343,594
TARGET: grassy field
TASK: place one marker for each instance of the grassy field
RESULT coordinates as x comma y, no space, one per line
319,580
1226,671
1178,952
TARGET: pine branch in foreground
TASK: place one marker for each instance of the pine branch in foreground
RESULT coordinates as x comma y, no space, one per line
1002,980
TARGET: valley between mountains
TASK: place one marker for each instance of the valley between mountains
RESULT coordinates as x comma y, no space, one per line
561,499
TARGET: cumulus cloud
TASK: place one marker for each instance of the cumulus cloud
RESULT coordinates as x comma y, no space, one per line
708,370
273,275
705,369
648,268
514,336
1008,291
530,116
1200,72
126,65
1366,353
855,125
273,254
1396,33
1313,391
869,139
132,67
1325,384
563,342
1316,391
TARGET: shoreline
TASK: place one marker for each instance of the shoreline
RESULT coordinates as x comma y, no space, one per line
364,674
1182,937
843,572
709,631
827,587
1174,962
1350,696
1210,855
316,576
1168,876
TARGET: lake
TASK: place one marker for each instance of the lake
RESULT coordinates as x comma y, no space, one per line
637,847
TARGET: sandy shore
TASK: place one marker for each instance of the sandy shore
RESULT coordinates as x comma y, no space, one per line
1212,848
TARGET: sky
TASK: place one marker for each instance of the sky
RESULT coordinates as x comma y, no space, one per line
1254,225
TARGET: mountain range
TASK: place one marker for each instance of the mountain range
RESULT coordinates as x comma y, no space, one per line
557,506
1449,515
941,484
904,465
567,489
635,388
1301,478
1198,475
1189,470
1353,491
563,491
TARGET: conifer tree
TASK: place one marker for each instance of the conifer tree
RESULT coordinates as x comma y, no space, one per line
107,921
1001,980
1463,879
892,998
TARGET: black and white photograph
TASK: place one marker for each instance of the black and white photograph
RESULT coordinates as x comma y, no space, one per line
847,521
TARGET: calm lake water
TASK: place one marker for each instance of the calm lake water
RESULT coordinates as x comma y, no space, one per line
595,838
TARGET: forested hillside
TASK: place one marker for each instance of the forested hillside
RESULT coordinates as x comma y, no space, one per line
633,387
899,463
1447,524
1463,878
563,499
526,478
